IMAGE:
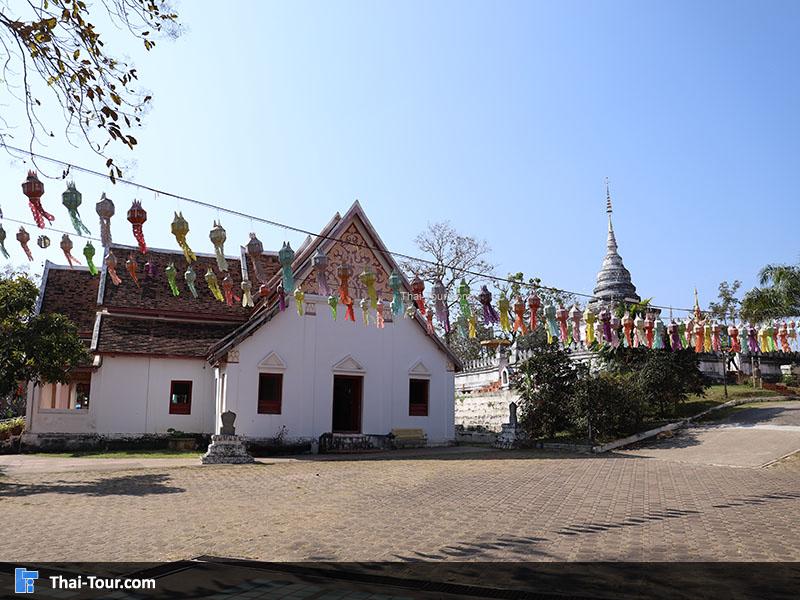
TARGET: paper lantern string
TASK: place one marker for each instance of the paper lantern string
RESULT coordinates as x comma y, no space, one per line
23,237
180,229
133,268
490,316
111,267
88,254
519,316
34,189
379,318
105,210
418,293
299,300
227,287
137,217
590,318
172,279
218,236
345,272
368,278
576,316
3,250
254,250
71,198
364,303
213,285
285,257
440,305
503,307
320,264
395,284
333,302
190,277
281,296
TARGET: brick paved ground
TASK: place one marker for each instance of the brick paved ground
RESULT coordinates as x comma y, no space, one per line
484,506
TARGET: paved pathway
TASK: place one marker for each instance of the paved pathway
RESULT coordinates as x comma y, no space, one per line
750,437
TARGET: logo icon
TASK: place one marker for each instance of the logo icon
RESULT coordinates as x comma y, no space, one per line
23,580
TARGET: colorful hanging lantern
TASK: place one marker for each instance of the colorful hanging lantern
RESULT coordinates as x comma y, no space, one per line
472,323
395,283
230,295
3,250
690,333
364,304
417,293
519,316
344,272
150,269
429,320
180,229
367,278
285,257
658,333
551,323
591,319
23,237
105,210
463,302
649,326
34,189
561,316
682,327
320,264
333,302
111,268
616,331
379,318
675,343
503,307
254,250
213,285
490,316
88,254
137,217
299,299
534,302
133,268
43,242
716,342
172,278
410,311
190,277
792,333
627,328
773,332
281,296
638,332
733,334
247,293
752,339
440,305
576,316
217,235
707,336
71,198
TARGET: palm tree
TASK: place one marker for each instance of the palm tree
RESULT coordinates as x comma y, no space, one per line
778,296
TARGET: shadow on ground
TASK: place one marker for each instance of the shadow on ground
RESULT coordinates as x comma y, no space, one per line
126,485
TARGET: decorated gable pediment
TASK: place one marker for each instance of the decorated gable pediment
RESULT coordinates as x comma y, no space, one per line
348,365
272,361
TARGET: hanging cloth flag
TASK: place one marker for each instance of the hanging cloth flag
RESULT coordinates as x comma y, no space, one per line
213,284
490,316
227,287
534,302
551,324
463,303
218,236
649,325
320,264
367,278
43,242
285,257
136,217
364,304
395,284
133,268
172,279
254,250
576,317
733,334
23,237
591,319
3,250
111,267
88,254
658,333
34,189
105,210
440,305
519,316
417,293
333,302
71,198
180,229
503,307
190,277
344,272
379,318
299,299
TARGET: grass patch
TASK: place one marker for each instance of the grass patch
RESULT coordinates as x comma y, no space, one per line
124,454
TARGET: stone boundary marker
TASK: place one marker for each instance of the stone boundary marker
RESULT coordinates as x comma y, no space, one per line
637,437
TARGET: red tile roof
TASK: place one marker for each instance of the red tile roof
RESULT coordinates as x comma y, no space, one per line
71,292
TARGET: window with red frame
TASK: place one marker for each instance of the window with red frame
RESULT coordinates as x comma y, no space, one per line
270,392
180,398
418,397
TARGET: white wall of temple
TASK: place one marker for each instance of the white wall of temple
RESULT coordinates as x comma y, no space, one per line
131,395
311,349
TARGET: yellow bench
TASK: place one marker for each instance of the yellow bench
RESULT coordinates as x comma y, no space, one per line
409,438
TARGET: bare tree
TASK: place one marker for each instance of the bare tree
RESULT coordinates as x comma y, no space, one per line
52,45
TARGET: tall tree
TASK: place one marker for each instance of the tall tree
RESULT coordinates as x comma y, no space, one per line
54,45
727,307
778,296
33,347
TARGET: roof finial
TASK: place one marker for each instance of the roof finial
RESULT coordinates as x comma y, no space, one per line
608,198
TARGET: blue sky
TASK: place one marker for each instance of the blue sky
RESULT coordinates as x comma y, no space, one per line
503,118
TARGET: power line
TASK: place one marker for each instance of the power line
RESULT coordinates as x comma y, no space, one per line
462,271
